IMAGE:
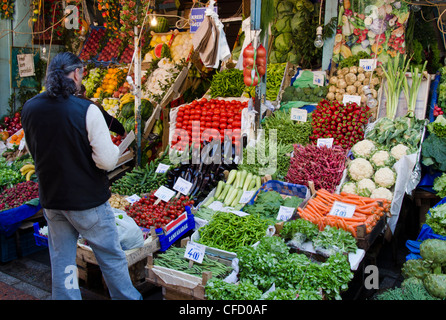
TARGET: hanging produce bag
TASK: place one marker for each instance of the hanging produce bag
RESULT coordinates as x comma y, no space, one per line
376,27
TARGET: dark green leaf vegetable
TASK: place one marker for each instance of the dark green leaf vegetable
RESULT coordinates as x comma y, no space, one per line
411,289
438,127
332,240
433,152
436,219
217,289
300,226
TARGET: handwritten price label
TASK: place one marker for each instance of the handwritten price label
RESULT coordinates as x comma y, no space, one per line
367,64
328,142
318,79
182,186
341,209
350,98
162,168
194,252
165,194
285,213
132,199
299,114
246,196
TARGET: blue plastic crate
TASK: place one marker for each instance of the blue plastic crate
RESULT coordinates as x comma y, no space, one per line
281,187
8,246
11,219
169,237
40,240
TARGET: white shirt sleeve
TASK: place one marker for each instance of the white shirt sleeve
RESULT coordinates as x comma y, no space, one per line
105,152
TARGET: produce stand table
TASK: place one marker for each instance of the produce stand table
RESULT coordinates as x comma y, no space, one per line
91,275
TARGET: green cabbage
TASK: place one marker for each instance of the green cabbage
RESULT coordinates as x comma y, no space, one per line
283,24
282,42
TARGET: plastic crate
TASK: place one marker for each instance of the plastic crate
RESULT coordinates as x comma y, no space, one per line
40,240
284,188
183,225
27,243
11,219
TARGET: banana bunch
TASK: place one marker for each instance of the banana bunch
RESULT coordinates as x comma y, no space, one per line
27,170
128,97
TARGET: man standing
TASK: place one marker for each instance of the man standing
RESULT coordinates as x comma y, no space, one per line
71,146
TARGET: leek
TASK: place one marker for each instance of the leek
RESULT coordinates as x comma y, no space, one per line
395,75
411,92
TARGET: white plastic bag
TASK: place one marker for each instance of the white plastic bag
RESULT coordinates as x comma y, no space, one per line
130,235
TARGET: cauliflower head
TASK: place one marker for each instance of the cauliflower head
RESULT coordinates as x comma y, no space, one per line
399,151
365,187
385,177
359,169
363,148
382,193
382,158
349,187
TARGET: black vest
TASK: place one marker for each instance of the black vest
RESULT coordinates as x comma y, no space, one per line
57,139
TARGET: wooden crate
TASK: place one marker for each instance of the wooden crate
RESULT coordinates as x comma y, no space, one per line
178,285
91,275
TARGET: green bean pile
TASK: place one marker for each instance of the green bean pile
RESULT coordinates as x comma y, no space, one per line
173,258
275,74
228,231
227,83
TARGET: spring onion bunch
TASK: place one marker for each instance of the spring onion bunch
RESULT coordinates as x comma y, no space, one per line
411,92
395,73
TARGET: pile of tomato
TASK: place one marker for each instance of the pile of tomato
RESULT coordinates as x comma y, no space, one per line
146,214
200,115
117,139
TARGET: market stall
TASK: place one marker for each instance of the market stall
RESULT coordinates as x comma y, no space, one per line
250,155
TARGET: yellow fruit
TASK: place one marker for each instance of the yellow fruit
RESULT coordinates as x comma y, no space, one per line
29,174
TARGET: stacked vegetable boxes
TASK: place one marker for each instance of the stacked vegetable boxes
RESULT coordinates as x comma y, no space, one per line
178,279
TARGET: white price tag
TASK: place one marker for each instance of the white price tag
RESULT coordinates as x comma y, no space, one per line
182,186
328,142
285,213
298,114
341,209
165,194
133,198
367,64
237,212
162,168
236,159
195,252
216,206
22,144
350,98
318,79
246,196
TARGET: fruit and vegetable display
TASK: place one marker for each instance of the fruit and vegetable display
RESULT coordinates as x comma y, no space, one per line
147,214
18,194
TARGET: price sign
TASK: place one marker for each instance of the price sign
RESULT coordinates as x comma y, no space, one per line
165,194
182,186
285,213
328,142
298,114
132,199
195,252
246,196
238,213
341,209
367,64
216,206
349,98
162,168
236,159
318,79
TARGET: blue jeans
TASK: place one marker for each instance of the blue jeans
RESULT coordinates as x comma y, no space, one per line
98,227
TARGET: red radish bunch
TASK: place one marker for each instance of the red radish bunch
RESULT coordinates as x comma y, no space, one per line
343,122
254,64
18,194
322,165
204,114
147,214
437,111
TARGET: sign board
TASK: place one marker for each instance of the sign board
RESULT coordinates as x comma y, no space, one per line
197,17
25,63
